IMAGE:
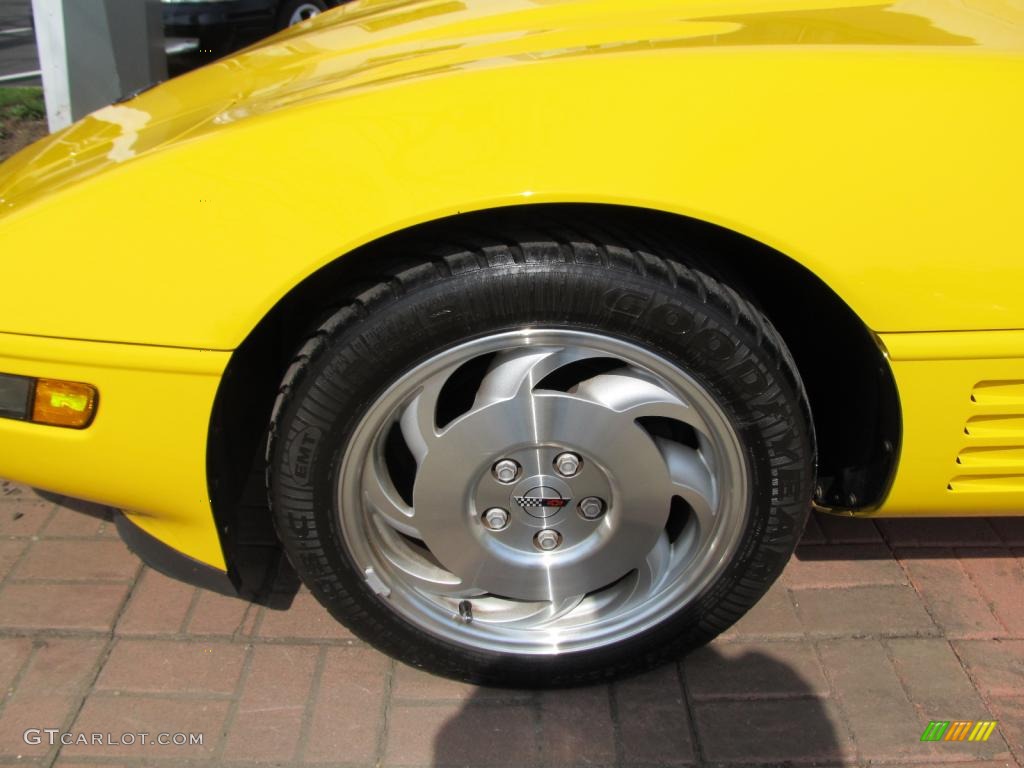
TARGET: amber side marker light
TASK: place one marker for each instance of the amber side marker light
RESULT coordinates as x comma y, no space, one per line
47,401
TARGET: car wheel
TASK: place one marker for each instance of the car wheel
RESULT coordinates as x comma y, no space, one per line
294,11
544,463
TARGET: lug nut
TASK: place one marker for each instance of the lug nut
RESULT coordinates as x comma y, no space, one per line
495,518
591,508
568,464
547,540
505,471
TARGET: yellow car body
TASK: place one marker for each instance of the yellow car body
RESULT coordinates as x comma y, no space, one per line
877,145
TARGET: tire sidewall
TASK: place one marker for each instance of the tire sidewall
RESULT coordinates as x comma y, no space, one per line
373,343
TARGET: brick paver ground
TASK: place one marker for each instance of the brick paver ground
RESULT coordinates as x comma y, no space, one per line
874,629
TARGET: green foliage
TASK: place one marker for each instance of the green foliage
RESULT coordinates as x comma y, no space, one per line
22,104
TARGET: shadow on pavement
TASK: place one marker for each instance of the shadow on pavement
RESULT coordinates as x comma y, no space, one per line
708,709
81,506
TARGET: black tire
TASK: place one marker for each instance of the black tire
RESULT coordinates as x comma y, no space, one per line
561,280
289,7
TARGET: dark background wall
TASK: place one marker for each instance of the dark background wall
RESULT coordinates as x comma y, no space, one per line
17,42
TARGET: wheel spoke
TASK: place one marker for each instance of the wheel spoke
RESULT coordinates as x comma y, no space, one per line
562,607
419,569
514,374
512,614
655,567
605,602
419,419
633,396
380,494
691,479
645,580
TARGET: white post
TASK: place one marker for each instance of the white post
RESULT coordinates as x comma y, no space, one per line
53,61
93,52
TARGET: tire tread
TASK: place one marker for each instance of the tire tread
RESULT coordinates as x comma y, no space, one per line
616,253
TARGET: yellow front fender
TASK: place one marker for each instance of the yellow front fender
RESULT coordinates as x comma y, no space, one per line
876,145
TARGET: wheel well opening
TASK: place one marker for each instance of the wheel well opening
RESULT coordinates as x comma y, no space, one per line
853,397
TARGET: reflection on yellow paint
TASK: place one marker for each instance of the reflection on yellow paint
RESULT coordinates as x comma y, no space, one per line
377,23
372,44
129,122
879,24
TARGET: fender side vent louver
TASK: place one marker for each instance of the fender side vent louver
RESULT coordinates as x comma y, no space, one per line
992,459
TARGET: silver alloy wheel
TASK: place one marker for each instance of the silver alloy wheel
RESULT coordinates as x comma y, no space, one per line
303,12
675,500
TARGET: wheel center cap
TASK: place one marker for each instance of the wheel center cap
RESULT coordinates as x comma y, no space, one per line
541,501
